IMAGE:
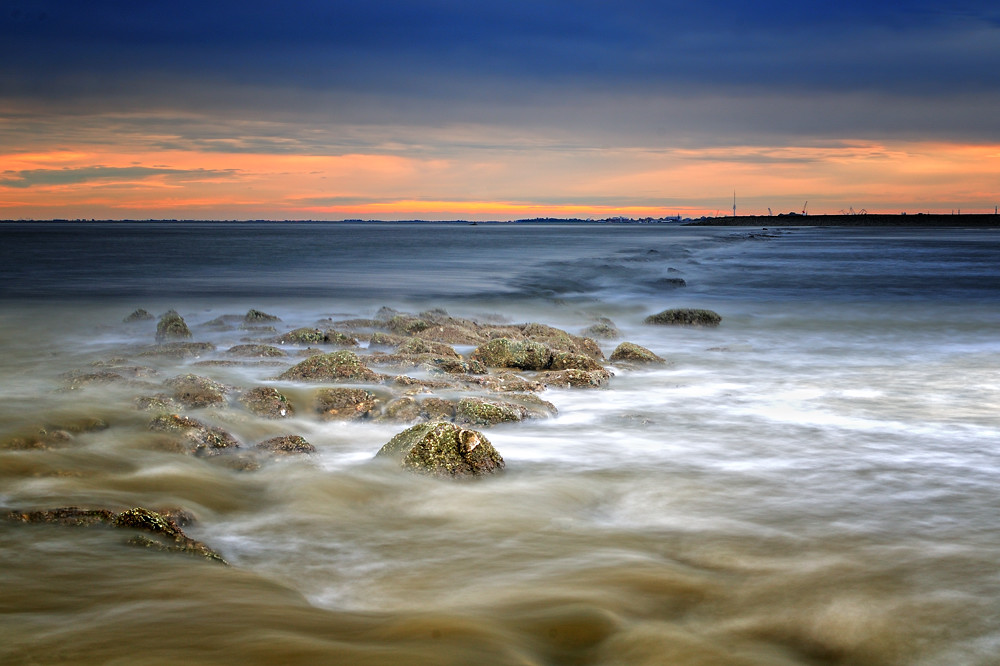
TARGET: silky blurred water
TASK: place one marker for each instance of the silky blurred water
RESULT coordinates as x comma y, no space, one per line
813,482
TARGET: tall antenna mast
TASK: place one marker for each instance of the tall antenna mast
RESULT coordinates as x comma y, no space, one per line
734,203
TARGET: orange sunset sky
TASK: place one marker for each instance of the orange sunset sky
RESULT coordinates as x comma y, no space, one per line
448,111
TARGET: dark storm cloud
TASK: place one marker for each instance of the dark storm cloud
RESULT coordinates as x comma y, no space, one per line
446,60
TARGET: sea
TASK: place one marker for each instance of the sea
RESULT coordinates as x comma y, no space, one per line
815,481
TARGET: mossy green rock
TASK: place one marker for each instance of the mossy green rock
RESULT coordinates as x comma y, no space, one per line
485,413
339,366
257,317
172,327
629,352
507,353
443,450
685,317
286,445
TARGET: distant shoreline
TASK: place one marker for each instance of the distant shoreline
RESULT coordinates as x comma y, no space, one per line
974,220
983,220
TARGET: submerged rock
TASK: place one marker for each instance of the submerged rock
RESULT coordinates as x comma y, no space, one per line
443,450
576,378
267,402
168,535
604,329
629,352
172,327
684,317
339,366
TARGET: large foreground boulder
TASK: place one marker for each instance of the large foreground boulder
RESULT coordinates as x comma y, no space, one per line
443,450
685,317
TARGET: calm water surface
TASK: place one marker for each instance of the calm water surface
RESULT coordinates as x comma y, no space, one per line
813,482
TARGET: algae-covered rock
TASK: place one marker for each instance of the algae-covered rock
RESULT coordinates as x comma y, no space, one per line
267,402
257,317
570,361
345,404
602,329
482,412
684,317
629,352
172,327
138,315
255,351
286,445
401,410
559,340
302,336
168,535
339,366
180,350
420,346
576,378
194,436
443,450
519,354
197,391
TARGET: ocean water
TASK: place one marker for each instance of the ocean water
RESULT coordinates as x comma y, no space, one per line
815,481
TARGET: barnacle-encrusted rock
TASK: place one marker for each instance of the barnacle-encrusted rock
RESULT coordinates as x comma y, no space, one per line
255,351
345,403
559,340
507,353
340,365
685,317
193,435
401,410
443,450
179,350
197,391
172,327
286,445
629,352
268,402
420,346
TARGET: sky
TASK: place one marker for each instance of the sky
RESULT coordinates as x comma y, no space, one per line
461,109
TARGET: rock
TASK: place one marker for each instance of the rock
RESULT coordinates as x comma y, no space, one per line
443,450
684,317
505,382
339,366
168,535
286,445
315,336
482,412
255,351
138,315
519,354
628,352
559,340
194,436
172,327
44,437
401,410
267,402
257,317
420,346
570,361
604,329
180,350
380,339
457,366
437,409
197,391
345,404
576,378
161,402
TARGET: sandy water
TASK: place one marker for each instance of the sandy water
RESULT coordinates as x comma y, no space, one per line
813,482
